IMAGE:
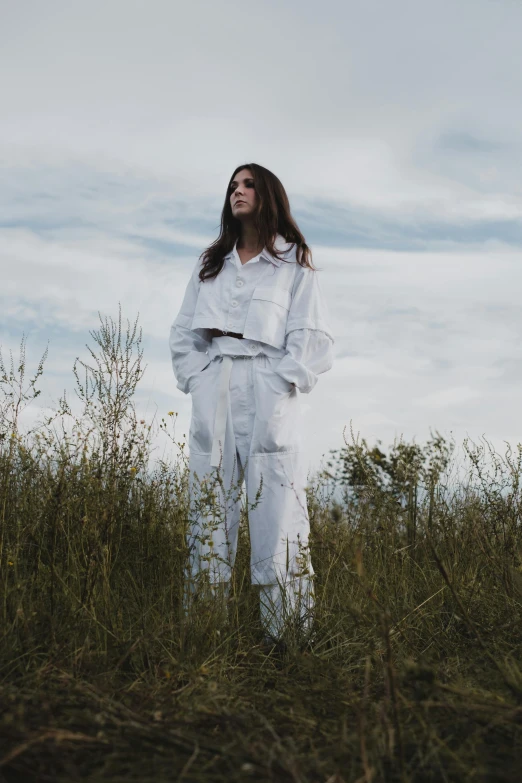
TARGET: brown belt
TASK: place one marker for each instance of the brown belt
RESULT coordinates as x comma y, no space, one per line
219,333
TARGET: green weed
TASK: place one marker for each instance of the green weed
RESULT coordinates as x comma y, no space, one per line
413,672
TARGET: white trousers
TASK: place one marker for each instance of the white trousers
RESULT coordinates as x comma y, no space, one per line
250,417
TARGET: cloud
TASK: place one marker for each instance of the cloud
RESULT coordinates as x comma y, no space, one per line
352,92
394,128
421,337
463,142
447,397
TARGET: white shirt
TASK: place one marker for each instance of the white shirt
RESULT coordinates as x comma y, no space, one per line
276,305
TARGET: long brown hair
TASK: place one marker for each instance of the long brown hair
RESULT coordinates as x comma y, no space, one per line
272,217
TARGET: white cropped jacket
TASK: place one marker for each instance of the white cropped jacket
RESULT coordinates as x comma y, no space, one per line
277,306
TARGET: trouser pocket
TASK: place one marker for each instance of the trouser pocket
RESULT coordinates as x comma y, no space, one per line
278,411
203,391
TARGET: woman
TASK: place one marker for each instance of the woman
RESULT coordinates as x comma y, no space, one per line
251,336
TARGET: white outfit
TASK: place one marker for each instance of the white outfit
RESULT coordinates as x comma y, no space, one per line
246,415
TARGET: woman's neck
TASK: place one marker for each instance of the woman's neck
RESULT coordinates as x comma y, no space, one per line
249,239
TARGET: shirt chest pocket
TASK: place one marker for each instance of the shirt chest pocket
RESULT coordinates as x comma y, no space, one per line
268,314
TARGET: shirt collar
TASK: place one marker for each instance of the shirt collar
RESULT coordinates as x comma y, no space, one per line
280,245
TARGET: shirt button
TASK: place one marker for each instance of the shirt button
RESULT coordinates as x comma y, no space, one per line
239,283
234,303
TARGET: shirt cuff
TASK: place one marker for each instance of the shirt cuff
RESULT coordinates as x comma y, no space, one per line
194,362
295,372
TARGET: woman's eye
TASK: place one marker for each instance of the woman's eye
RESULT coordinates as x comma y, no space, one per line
247,184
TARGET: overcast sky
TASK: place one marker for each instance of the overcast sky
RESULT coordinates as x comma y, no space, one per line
395,128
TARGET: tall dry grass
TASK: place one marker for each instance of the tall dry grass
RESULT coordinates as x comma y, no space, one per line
414,669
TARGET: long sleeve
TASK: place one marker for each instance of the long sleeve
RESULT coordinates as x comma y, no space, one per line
309,340
309,352
188,348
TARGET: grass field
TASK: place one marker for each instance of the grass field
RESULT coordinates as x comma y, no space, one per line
414,672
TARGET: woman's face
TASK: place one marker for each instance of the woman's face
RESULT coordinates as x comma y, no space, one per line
243,197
